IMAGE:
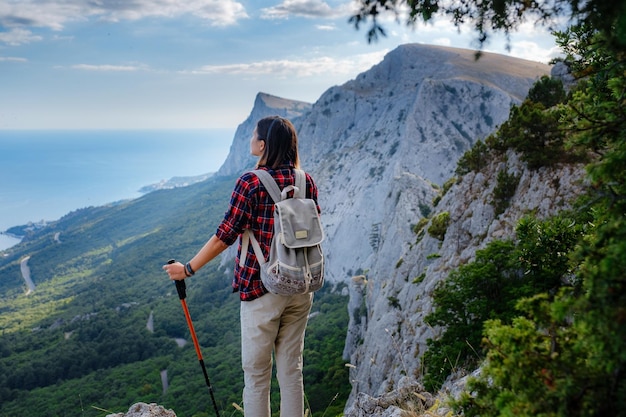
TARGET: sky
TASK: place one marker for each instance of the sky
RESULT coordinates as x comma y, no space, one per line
198,64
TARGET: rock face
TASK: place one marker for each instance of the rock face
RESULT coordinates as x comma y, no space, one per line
408,397
239,158
145,410
380,147
389,333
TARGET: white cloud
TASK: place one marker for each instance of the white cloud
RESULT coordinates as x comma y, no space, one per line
533,52
216,12
533,28
326,27
108,68
351,65
55,15
17,36
12,59
302,8
529,42
442,41
43,13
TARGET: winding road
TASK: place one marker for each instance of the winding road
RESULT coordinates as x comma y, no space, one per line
26,275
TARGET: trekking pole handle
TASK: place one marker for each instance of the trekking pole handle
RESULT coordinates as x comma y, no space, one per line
181,287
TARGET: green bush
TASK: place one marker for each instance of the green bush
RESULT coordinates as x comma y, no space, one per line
448,184
417,228
474,160
504,190
490,287
547,91
469,296
439,225
534,128
425,209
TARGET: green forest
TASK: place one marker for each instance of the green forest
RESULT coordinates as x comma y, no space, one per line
80,345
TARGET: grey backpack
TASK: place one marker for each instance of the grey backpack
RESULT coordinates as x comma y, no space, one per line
296,260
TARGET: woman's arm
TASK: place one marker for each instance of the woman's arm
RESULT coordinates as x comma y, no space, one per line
209,251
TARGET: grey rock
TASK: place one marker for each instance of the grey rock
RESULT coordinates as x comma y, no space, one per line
380,147
145,410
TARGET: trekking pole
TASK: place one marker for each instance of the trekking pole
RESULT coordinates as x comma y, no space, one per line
181,288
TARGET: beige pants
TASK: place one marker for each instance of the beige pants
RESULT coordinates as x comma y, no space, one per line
273,323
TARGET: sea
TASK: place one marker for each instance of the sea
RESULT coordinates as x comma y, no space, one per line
45,174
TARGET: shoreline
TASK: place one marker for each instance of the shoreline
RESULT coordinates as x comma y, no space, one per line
108,166
7,241
11,235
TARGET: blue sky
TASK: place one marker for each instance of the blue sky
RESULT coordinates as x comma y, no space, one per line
172,64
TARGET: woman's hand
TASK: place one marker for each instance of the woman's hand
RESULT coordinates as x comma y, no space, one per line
210,250
175,270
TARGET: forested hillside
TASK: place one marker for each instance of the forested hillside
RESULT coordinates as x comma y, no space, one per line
377,146
515,264
80,343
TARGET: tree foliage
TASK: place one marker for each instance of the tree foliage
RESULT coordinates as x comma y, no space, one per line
474,159
563,354
533,129
490,16
535,132
489,288
547,91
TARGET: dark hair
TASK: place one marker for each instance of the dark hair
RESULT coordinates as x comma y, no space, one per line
281,142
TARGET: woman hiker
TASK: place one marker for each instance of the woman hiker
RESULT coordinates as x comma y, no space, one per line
269,322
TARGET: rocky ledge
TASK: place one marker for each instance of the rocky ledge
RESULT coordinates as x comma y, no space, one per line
145,410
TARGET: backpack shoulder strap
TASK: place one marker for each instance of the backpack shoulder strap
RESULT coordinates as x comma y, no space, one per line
300,183
269,183
247,237
276,194
273,189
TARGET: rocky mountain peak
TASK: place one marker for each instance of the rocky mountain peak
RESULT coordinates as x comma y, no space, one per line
380,147
239,158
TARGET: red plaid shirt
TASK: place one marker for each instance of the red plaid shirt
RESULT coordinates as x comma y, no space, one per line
251,207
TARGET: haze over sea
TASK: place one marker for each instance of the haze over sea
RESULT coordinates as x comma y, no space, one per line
47,174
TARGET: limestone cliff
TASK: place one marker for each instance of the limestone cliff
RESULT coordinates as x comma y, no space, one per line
379,147
239,158
390,337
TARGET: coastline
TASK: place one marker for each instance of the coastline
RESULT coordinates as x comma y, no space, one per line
98,167
8,240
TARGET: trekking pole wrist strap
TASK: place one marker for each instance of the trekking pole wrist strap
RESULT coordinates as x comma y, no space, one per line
188,270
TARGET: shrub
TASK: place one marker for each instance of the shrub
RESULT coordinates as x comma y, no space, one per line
417,228
419,279
490,287
439,225
469,296
448,184
547,91
504,190
536,134
424,209
394,302
473,160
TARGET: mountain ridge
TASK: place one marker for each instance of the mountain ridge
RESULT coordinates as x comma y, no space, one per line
380,148
370,144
